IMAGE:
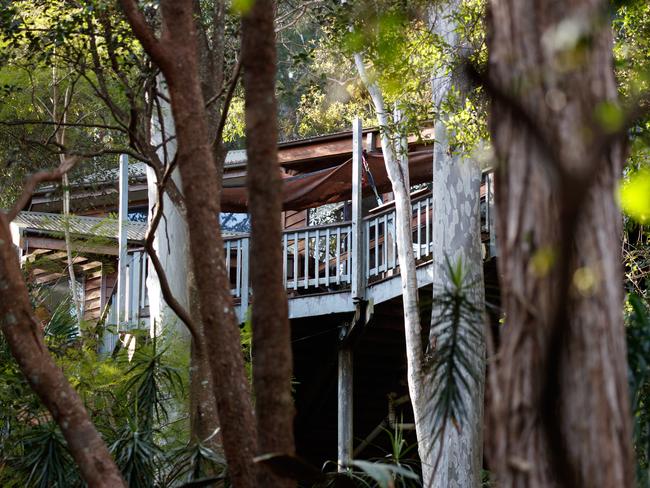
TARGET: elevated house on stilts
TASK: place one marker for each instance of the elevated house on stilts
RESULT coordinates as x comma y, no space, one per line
340,264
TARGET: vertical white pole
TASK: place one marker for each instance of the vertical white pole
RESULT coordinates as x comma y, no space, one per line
345,406
492,251
243,309
358,278
123,213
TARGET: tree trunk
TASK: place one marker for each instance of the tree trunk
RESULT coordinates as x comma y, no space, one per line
396,162
24,336
272,357
175,53
172,246
60,139
557,418
456,236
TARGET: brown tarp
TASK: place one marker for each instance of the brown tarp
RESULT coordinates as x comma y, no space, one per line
309,190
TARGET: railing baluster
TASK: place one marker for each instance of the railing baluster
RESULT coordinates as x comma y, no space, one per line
419,212
338,256
376,246
228,262
143,280
384,256
327,256
238,270
316,258
307,259
295,261
395,240
349,252
284,258
367,248
245,283
427,239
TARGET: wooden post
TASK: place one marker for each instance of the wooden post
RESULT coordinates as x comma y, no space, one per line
345,404
244,282
123,215
358,265
489,196
371,141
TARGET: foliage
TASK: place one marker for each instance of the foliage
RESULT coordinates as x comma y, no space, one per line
51,101
638,342
139,406
635,196
403,55
631,22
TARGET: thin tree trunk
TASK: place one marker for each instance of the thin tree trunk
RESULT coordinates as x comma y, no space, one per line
456,236
172,247
205,418
25,339
396,162
272,357
557,418
175,53
60,139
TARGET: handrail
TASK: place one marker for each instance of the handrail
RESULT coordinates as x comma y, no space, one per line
321,256
317,227
390,206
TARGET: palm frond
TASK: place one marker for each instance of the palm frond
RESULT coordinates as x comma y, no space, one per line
62,330
136,455
46,458
192,462
638,352
455,362
151,384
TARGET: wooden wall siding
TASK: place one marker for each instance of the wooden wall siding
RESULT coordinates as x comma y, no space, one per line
100,280
93,291
295,220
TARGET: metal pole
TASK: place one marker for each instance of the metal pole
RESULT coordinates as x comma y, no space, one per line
123,215
345,405
358,265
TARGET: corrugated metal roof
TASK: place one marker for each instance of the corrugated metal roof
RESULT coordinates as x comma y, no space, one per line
137,172
82,226
235,157
89,226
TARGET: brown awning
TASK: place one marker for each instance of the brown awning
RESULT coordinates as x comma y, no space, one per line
330,185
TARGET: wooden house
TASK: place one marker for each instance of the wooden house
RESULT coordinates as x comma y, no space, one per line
342,275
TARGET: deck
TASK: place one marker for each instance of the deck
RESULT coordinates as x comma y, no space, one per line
319,262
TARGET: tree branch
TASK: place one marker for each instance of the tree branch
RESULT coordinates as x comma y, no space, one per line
167,293
36,179
19,122
226,103
143,32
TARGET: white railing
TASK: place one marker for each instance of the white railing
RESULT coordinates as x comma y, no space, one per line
320,258
380,243
136,300
236,250
311,257
317,256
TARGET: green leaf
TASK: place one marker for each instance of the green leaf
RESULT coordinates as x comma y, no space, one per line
635,196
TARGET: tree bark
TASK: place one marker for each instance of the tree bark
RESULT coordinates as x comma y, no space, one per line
175,53
456,236
272,356
396,162
559,412
24,336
